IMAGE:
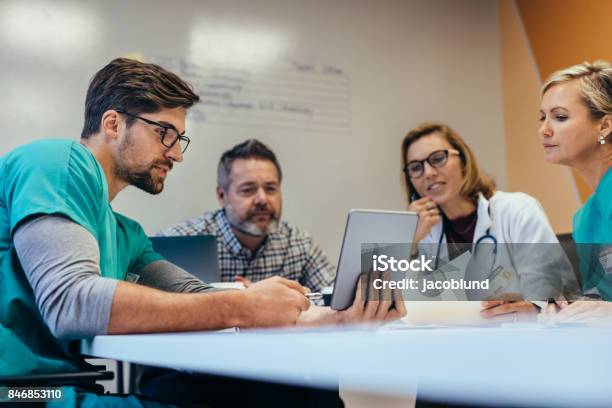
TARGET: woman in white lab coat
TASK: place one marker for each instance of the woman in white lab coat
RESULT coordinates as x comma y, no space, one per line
458,205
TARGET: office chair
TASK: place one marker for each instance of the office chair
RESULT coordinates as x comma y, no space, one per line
569,246
84,379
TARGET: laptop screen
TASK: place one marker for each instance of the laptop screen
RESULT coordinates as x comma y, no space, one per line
196,254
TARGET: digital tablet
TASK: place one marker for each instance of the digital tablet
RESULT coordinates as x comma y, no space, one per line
363,227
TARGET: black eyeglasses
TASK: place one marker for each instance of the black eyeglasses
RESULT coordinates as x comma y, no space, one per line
169,135
437,159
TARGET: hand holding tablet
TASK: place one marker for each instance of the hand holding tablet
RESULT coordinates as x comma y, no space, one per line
362,227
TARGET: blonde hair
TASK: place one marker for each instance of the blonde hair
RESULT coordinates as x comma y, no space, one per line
475,180
594,83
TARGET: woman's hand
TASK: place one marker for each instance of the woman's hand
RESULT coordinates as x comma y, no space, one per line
429,215
598,312
494,308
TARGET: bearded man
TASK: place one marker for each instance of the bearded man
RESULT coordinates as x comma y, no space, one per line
252,242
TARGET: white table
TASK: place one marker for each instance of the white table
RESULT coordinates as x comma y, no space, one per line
517,365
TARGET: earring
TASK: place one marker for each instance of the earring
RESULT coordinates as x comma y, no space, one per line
602,139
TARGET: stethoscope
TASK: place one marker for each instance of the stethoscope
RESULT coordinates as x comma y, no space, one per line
479,241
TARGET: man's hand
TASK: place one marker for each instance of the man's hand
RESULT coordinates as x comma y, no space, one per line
360,311
245,281
378,309
274,302
429,215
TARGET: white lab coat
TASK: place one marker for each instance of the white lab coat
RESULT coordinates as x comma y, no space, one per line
517,218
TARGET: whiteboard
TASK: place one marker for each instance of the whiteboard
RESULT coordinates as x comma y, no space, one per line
331,87
286,94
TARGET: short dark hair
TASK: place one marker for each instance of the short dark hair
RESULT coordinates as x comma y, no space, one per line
135,87
249,149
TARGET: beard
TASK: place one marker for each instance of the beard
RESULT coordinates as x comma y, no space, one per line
141,177
249,227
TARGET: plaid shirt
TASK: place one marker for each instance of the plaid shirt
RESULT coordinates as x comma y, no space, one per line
289,252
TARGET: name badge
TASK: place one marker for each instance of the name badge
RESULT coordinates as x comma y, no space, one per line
132,277
502,281
605,259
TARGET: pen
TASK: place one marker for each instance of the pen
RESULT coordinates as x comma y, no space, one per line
314,295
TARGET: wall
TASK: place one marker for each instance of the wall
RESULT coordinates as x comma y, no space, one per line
567,32
552,185
405,62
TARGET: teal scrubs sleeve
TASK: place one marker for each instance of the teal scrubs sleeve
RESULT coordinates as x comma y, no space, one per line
54,177
593,236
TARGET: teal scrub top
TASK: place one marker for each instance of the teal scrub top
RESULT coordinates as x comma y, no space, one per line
55,177
593,236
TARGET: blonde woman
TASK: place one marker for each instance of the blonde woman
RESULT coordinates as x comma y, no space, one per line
576,131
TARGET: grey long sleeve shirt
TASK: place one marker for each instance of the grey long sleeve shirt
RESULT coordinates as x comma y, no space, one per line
60,259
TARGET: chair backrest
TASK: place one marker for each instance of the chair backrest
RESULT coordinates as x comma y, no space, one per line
569,246
58,379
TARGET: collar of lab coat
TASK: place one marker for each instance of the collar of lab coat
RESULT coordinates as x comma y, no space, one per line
483,222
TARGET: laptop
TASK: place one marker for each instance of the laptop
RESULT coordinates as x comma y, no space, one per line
197,254
363,227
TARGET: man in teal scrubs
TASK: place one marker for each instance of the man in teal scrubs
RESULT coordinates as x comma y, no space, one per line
67,260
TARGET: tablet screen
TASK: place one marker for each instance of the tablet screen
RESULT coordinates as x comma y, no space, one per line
363,227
